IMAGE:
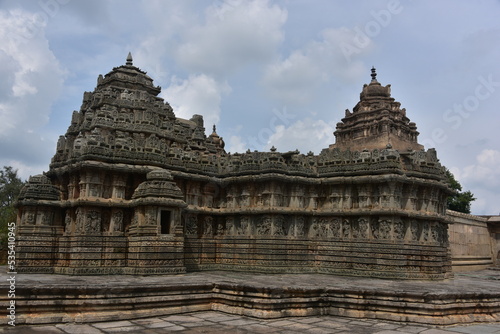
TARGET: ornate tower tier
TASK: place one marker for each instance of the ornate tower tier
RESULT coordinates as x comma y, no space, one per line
376,122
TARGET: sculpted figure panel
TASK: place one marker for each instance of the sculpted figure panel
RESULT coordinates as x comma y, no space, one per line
335,227
279,226
245,226
264,226
118,221
208,226
299,227
346,229
399,230
93,222
415,230
80,220
67,223
384,229
230,230
192,225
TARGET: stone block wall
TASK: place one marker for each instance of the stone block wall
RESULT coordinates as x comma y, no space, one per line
470,242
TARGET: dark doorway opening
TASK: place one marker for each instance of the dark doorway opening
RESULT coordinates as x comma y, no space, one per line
165,222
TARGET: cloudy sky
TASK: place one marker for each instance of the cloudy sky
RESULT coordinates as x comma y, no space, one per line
265,72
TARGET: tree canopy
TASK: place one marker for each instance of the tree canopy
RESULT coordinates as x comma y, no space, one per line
461,200
10,186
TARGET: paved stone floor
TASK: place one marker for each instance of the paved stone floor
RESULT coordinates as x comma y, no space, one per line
212,322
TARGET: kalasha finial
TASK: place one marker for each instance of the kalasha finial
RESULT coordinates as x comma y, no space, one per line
374,74
214,128
129,59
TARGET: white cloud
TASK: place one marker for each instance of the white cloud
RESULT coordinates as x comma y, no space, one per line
235,33
24,171
165,22
304,135
293,80
296,79
485,171
483,179
199,94
236,144
33,80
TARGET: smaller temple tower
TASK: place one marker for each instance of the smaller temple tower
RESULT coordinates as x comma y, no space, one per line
375,122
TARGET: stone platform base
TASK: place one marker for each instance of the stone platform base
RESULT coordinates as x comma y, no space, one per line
45,298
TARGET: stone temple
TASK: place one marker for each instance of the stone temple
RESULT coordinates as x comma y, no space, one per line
133,189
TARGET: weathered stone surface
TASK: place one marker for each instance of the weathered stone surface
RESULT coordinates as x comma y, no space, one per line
88,299
471,242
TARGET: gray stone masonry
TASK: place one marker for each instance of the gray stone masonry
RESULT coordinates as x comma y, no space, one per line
58,299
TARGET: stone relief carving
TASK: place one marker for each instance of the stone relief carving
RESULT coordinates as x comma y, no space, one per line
80,221
118,221
135,219
363,228
415,230
278,226
244,228
300,227
399,230
438,233
384,229
93,222
425,232
264,226
67,223
220,228
150,217
335,228
230,229
318,229
346,229
45,218
29,218
191,225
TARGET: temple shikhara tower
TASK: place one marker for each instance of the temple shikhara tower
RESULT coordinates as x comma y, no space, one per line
133,189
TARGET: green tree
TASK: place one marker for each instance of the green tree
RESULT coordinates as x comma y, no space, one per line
461,200
10,186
